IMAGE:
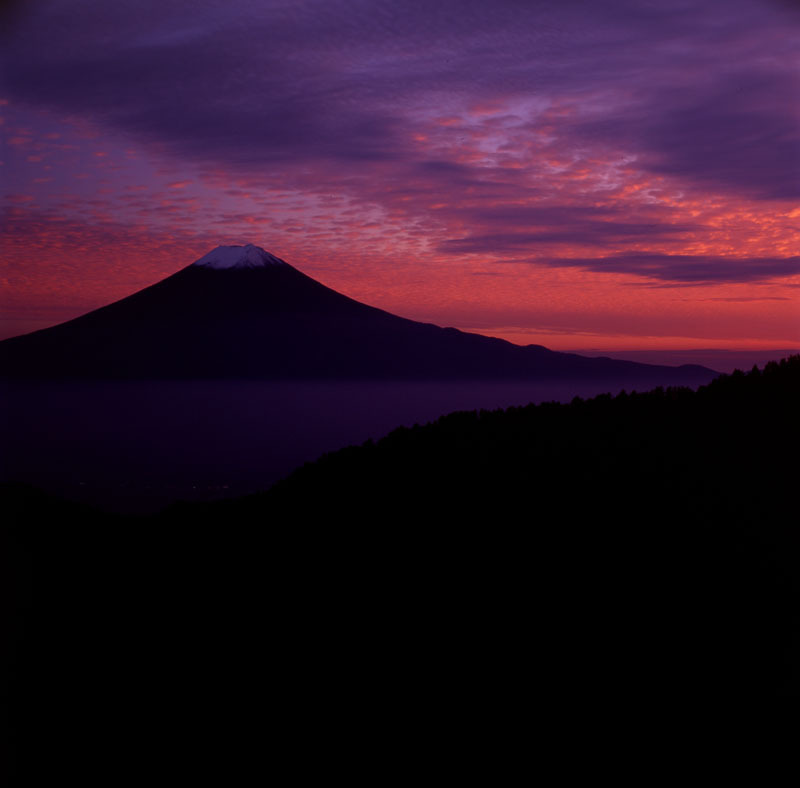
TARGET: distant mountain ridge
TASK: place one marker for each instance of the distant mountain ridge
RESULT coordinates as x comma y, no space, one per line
239,312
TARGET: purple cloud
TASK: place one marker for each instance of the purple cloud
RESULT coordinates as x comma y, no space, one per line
344,81
337,94
684,268
571,225
739,131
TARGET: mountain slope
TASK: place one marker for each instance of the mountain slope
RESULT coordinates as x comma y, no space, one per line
240,312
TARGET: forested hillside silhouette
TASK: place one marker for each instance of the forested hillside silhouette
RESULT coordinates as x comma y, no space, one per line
636,552
658,530
720,454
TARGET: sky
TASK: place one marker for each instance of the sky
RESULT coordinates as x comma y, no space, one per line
621,174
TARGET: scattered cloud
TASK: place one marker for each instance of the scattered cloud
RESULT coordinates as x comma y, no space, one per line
652,145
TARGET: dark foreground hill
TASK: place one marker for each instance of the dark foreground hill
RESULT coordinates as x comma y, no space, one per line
649,540
666,455
636,553
240,313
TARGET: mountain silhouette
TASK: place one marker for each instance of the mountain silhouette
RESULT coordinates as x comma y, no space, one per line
242,313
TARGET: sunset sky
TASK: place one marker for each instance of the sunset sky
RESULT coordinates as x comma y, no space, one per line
617,174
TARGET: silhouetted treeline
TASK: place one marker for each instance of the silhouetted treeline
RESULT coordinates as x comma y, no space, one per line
720,454
635,552
655,531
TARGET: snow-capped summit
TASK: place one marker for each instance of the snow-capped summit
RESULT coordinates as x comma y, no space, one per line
248,256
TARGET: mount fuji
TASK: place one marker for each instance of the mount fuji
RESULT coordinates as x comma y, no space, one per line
239,312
